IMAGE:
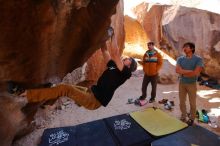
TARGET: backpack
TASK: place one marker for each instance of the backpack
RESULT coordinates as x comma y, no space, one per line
202,116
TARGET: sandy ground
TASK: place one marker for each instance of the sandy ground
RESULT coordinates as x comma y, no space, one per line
70,114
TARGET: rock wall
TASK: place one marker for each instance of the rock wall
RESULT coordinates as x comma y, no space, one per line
198,26
136,45
13,121
150,17
42,40
135,38
151,21
172,26
95,64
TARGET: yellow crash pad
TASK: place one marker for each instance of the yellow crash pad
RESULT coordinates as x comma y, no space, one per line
157,122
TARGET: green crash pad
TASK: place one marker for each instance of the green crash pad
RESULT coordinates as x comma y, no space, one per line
157,122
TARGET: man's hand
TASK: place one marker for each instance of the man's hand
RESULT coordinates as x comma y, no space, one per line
110,32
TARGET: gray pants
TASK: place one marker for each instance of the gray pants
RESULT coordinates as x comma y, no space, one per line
146,81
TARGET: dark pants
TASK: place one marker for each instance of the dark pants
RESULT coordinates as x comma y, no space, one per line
146,81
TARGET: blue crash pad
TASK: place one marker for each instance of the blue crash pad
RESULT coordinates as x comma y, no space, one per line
191,136
88,134
127,131
63,136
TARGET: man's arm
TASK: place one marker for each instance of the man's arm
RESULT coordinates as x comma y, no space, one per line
188,73
193,73
160,61
115,54
143,59
105,53
179,70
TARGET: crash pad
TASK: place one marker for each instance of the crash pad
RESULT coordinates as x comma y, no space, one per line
157,122
128,132
191,136
93,133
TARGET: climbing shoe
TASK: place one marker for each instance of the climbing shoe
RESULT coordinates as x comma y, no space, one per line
190,122
141,98
151,100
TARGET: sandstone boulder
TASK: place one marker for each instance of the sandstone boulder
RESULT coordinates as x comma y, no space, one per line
136,40
95,64
181,24
47,39
167,74
42,41
172,26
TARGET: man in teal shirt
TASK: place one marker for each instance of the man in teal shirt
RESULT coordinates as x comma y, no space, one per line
188,67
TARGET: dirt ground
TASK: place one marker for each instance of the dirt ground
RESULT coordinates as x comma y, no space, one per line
69,114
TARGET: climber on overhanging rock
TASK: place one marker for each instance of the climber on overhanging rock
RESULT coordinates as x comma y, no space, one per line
117,72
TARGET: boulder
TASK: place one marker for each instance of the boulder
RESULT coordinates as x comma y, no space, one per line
167,74
47,39
172,26
136,40
96,64
13,122
184,27
43,41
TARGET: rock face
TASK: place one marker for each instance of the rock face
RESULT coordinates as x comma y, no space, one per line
47,39
201,27
172,26
12,120
150,17
95,64
135,46
167,74
151,21
42,41
135,38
